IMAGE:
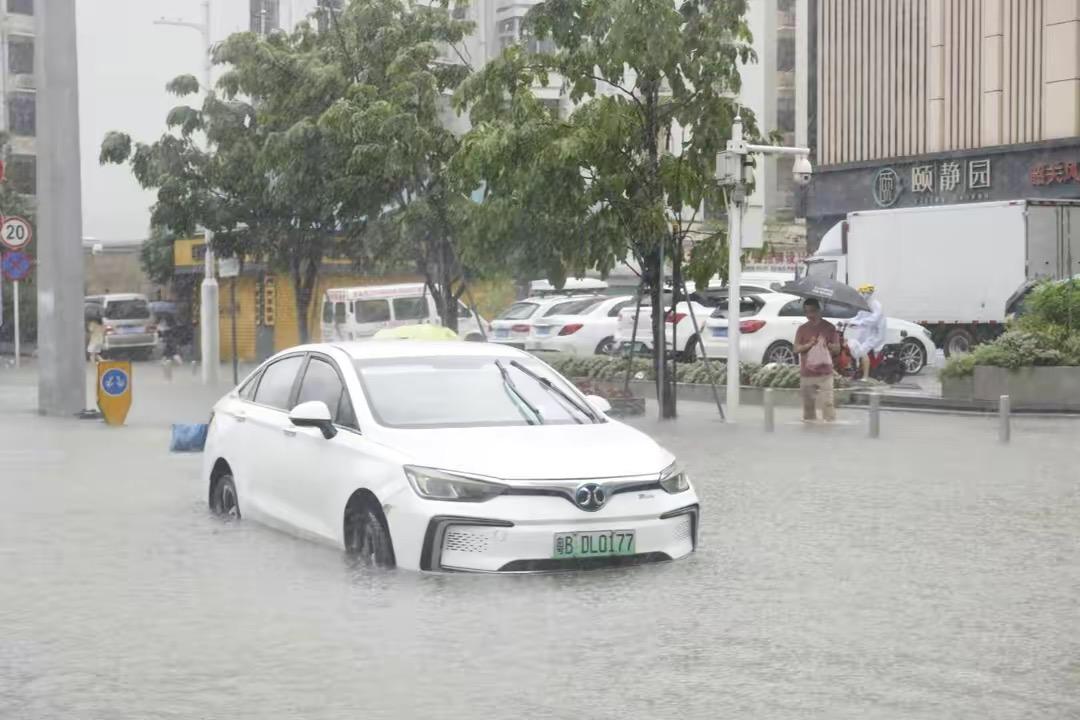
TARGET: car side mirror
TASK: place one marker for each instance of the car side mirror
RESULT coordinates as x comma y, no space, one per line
314,413
599,404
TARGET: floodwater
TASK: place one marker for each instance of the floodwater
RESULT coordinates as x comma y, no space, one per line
932,574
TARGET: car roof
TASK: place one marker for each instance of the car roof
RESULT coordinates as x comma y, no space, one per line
391,349
112,297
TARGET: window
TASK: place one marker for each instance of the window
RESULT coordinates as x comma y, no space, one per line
339,313
22,173
247,390
20,55
22,7
410,308
748,307
321,383
276,385
792,309
135,309
785,112
463,311
573,307
518,311
265,16
834,310
785,53
22,114
619,307
370,311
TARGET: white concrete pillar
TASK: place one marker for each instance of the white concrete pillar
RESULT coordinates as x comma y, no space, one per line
1061,69
60,282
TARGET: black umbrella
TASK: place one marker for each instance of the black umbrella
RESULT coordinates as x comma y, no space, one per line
826,290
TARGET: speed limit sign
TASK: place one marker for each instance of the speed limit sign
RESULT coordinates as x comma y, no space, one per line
15,232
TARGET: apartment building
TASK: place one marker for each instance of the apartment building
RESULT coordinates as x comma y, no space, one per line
929,102
18,96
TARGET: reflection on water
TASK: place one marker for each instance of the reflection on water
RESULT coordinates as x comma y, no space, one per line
939,584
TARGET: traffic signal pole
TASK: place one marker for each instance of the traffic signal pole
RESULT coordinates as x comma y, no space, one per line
60,281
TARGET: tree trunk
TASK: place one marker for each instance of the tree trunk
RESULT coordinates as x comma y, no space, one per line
304,276
446,299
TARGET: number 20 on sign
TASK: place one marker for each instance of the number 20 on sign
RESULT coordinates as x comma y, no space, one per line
15,232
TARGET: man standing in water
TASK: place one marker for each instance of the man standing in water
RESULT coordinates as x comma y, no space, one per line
816,341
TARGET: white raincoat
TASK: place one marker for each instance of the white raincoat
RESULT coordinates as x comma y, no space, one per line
867,330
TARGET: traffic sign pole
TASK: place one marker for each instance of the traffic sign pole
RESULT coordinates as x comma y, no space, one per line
15,297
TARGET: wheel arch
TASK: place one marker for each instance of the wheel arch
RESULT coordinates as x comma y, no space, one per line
365,498
221,467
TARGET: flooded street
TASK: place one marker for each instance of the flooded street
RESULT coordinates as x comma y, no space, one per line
932,574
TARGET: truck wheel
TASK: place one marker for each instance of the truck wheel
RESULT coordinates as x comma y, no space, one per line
912,356
958,341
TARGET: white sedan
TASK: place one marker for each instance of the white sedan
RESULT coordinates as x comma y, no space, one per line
513,325
444,456
679,326
590,330
768,324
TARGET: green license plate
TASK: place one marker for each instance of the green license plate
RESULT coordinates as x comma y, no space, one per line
594,544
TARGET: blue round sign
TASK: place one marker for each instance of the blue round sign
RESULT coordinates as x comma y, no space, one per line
15,265
114,382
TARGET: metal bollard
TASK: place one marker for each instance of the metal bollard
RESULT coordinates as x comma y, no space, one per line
769,403
166,368
875,415
194,368
1004,431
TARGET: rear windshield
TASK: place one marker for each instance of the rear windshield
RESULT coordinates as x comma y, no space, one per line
137,309
518,311
574,307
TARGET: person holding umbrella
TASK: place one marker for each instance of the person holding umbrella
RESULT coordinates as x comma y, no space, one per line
816,342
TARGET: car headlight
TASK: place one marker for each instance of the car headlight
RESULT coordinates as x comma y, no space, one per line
441,485
674,480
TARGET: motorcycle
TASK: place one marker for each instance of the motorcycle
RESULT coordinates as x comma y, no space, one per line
885,365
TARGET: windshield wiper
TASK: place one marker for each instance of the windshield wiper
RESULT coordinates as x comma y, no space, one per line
508,383
554,389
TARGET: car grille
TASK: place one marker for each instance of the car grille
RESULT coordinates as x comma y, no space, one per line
684,529
464,541
597,563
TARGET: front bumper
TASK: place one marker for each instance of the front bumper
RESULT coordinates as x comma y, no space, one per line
521,539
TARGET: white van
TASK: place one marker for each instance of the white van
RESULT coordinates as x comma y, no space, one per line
357,313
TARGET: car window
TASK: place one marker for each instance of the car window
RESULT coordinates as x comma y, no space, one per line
247,390
137,309
573,307
276,384
792,309
835,310
414,308
518,311
371,311
321,382
339,313
463,311
614,312
748,306
328,312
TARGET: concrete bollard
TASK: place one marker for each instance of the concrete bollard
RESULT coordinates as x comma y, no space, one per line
769,403
194,368
1004,431
875,415
166,368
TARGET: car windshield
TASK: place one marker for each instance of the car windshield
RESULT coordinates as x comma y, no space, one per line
574,307
518,311
461,392
136,309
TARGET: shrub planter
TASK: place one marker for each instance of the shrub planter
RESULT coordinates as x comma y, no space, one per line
623,404
1030,388
748,394
958,388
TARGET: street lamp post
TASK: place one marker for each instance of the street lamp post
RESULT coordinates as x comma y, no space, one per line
729,170
210,340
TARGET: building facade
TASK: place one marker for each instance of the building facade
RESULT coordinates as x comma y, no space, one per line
931,102
19,97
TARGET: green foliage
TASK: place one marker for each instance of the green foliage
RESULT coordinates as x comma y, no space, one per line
156,256
1016,349
1053,306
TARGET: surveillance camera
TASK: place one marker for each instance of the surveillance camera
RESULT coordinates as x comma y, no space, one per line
802,171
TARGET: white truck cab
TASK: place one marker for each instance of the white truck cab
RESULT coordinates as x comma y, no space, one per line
357,313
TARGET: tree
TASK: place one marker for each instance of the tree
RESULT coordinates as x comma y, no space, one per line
654,86
390,127
12,202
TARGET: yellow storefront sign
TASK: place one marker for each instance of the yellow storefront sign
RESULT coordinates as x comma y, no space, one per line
114,390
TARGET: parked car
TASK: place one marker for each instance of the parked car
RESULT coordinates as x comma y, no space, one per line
679,325
129,327
768,324
513,325
357,313
590,330
444,456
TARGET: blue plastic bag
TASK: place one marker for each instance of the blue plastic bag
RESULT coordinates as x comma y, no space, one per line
189,437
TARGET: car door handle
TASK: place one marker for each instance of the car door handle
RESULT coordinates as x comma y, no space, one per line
290,432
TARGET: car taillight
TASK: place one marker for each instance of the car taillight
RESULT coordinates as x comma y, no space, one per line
520,328
751,326
674,317
571,328
109,329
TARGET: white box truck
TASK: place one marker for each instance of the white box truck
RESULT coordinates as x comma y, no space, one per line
952,268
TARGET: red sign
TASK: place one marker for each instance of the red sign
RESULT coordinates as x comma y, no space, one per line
1052,173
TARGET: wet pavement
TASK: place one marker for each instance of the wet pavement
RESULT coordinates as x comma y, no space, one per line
930,574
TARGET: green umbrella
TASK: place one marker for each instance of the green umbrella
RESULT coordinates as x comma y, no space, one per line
416,332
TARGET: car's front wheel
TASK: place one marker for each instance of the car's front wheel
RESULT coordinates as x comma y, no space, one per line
912,356
606,346
781,352
223,499
367,537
